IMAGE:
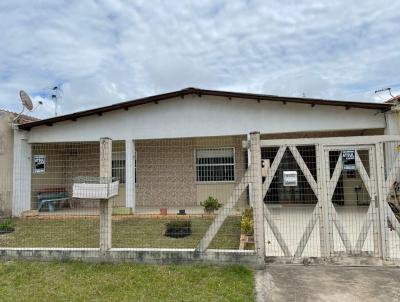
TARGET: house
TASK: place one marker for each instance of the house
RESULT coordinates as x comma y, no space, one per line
176,149
6,157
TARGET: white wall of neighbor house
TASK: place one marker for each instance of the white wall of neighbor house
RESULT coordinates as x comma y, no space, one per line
196,116
21,197
6,163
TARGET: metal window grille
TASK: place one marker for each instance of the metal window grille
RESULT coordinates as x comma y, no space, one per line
215,164
118,165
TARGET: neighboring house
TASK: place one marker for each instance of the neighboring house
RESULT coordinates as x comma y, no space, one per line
177,148
6,158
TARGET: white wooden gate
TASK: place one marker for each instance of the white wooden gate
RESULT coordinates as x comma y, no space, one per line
350,212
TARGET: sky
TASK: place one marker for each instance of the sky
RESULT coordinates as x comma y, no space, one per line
104,52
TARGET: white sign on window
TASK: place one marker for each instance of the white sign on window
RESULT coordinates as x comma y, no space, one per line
290,178
39,164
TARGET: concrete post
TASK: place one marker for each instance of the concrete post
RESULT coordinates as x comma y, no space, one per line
382,193
105,204
130,156
258,203
325,224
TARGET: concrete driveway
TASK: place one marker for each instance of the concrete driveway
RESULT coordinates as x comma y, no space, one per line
328,283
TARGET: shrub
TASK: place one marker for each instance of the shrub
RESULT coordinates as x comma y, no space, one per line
211,204
247,223
178,228
6,226
248,213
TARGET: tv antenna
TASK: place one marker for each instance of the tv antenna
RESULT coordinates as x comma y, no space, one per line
382,90
55,96
26,104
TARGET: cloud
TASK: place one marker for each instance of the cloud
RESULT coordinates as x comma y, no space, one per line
102,52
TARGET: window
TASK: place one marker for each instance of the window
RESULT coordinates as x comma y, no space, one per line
215,164
118,166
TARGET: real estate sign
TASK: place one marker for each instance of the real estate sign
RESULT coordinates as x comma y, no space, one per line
39,164
349,160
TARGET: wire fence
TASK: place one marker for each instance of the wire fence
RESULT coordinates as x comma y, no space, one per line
210,193
391,202
178,187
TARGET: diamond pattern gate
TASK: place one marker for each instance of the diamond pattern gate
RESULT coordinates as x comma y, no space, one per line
342,200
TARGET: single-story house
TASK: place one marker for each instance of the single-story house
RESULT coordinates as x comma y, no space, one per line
176,149
6,157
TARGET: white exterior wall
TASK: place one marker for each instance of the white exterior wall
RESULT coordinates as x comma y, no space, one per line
196,116
22,174
6,163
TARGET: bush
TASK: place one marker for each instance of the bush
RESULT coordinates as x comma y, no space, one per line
247,223
178,228
211,204
6,226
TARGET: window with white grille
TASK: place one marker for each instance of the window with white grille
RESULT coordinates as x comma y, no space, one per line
215,164
118,166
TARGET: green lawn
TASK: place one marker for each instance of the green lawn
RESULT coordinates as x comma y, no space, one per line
77,281
133,232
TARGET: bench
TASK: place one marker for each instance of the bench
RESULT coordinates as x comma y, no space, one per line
51,197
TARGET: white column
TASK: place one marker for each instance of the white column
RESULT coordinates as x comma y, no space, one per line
21,200
251,197
130,190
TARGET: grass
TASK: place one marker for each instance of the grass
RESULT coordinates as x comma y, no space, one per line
77,281
134,232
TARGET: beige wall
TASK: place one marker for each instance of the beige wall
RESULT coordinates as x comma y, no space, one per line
6,162
166,172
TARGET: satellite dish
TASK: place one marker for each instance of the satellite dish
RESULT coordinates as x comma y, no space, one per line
26,100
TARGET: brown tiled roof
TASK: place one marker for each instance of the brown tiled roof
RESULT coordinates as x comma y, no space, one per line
188,91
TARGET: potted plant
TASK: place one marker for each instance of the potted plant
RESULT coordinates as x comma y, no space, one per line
178,228
210,205
246,228
7,226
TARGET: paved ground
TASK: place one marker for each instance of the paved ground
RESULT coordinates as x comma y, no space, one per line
293,220
328,284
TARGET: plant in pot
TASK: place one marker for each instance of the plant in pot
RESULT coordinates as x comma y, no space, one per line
6,226
210,205
247,228
178,228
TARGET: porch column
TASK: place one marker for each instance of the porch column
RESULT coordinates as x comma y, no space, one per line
130,168
251,196
21,197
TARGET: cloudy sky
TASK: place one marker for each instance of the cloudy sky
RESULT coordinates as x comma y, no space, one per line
102,52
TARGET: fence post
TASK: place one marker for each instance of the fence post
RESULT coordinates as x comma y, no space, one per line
105,204
380,175
258,203
326,230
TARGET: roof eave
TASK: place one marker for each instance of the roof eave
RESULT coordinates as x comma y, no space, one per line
183,92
